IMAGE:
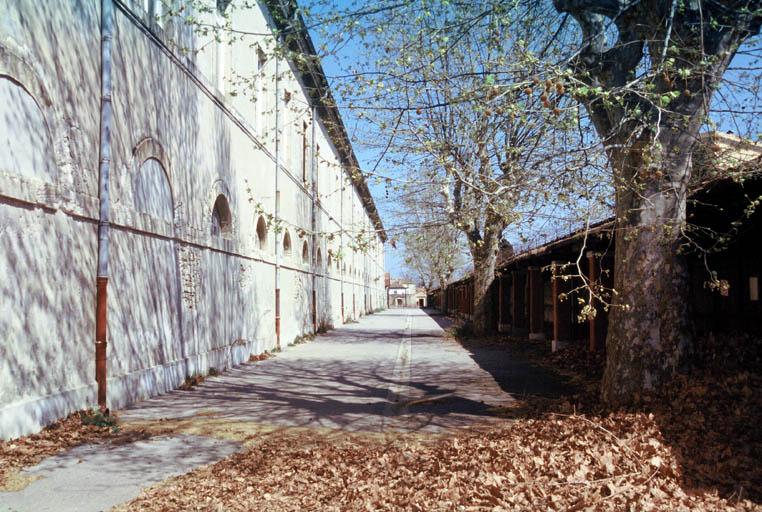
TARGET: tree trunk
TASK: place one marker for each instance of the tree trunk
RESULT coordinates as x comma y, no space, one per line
485,259
649,322
649,132
443,294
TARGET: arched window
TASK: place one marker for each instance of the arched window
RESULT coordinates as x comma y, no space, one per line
330,261
319,258
287,244
153,194
261,234
305,253
222,220
26,148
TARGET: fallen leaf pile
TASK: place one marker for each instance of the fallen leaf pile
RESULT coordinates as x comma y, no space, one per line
74,430
714,426
577,359
620,462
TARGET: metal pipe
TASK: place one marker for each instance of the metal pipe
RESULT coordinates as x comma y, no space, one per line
101,304
313,171
342,264
278,130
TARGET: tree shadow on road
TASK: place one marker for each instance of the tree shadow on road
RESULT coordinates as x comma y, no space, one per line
513,364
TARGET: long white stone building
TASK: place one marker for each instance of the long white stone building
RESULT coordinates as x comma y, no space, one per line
232,221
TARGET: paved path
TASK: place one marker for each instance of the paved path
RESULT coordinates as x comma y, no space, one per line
97,477
391,371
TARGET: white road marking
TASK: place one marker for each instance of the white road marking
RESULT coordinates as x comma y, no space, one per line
401,374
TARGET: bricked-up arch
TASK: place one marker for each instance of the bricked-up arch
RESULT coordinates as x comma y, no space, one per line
26,147
152,190
287,244
305,253
222,219
262,234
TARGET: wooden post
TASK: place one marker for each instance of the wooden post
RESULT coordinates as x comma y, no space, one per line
561,312
536,305
500,304
517,302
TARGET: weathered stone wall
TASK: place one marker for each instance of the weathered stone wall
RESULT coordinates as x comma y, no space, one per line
181,299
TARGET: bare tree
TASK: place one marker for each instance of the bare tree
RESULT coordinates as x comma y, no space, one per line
433,252
463,119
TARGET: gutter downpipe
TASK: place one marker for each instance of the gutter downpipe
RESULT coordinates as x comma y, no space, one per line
101,304
315,189
342,263
277,202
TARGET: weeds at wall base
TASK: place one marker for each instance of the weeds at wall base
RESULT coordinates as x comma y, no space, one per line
99,419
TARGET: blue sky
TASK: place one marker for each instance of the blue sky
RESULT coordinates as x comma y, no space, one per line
750,126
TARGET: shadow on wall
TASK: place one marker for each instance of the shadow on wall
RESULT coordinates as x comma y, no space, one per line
183,296
47,257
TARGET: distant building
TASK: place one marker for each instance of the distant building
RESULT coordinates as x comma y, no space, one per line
401,294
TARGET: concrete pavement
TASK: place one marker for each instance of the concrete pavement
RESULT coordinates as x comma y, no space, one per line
392,371
97,477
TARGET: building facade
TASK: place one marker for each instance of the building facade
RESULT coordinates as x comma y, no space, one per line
401,294
235,222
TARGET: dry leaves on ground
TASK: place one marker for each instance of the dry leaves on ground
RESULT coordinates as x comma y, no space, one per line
78,428
620,462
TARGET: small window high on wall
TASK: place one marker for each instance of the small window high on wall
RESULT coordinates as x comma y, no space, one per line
222,220
287,244
261,234
305,253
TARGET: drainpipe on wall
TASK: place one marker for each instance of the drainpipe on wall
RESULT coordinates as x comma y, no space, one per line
352,223
277,203
341,240
101,304
313,171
